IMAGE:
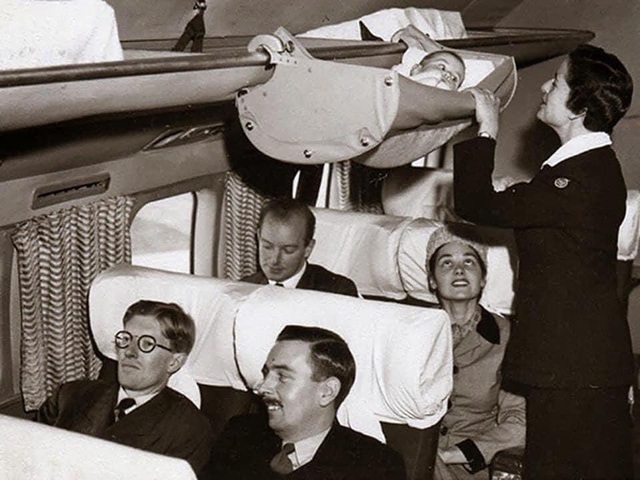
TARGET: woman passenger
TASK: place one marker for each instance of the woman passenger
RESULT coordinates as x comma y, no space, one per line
570,346
482,418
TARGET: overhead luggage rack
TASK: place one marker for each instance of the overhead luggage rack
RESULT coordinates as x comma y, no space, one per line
152,78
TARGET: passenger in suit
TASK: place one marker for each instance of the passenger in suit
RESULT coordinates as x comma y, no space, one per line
306,376
140,410
483,418
570,343
285,241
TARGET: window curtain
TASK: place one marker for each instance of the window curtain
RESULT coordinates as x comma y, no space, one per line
58,255
242,207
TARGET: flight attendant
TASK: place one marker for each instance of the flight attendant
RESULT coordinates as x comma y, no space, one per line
570,345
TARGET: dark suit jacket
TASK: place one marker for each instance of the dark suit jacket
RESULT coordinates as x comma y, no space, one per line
168,424
570,329
315,277
247,445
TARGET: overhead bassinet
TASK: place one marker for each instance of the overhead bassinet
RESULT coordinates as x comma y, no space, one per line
315,111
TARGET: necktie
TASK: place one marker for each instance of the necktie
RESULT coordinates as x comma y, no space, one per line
281,463
123,405
278,284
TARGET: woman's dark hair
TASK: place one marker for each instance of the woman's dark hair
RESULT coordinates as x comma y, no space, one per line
600,86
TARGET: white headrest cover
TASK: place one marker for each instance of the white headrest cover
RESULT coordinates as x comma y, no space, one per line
402,353
363,247
211,302
629,233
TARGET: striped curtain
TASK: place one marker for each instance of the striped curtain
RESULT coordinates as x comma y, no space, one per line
59,255
242,207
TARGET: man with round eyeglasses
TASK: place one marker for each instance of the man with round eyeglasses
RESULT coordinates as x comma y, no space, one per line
140,410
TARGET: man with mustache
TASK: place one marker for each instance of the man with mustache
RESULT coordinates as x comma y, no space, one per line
140,410
306,376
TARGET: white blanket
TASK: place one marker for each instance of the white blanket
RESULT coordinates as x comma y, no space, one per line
439,24
43,33
403,354
29,451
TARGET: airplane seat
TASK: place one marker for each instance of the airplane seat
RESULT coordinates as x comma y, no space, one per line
389,400
31,450
428,193
238,322
37,33
347,241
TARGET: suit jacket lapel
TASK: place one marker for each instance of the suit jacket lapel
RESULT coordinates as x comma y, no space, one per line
142,421
486,332
331,461
95,412
307,281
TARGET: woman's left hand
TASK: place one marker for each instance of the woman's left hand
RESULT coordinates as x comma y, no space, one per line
487,110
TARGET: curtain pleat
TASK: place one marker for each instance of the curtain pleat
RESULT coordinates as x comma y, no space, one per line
58,255
242,207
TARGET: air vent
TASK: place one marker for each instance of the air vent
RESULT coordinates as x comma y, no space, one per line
71,190
184,136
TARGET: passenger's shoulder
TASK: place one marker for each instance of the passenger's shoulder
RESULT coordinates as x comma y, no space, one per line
185,412
365,444
339,283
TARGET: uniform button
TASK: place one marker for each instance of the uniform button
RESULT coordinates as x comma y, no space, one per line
443,430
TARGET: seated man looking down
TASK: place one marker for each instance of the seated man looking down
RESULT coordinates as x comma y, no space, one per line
285,241
306,376
140,410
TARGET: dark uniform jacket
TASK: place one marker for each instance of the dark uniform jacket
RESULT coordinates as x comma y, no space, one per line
247,445
570,329
315,277
168,424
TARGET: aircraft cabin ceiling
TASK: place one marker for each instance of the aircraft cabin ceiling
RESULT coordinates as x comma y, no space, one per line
156,19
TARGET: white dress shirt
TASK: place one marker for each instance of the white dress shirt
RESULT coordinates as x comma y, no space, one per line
292,282
306,449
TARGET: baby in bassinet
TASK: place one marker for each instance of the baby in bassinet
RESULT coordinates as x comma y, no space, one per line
438,68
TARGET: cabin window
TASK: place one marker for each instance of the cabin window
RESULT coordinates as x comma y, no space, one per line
161,234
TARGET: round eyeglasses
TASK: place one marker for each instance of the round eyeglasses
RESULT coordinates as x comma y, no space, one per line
146,343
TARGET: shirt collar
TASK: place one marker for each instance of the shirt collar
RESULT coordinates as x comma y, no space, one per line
306,449
578,145
291,282
140,399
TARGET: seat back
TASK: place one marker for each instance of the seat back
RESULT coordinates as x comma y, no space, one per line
30,450
237,324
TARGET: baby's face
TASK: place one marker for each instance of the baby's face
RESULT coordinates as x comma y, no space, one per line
441,69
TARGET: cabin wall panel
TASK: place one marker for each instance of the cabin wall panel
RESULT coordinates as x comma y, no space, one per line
128,175
147,19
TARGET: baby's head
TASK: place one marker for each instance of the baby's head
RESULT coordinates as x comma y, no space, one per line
442,69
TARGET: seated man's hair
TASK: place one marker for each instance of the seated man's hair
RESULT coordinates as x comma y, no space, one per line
600,86
176,325
282,209
330,355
